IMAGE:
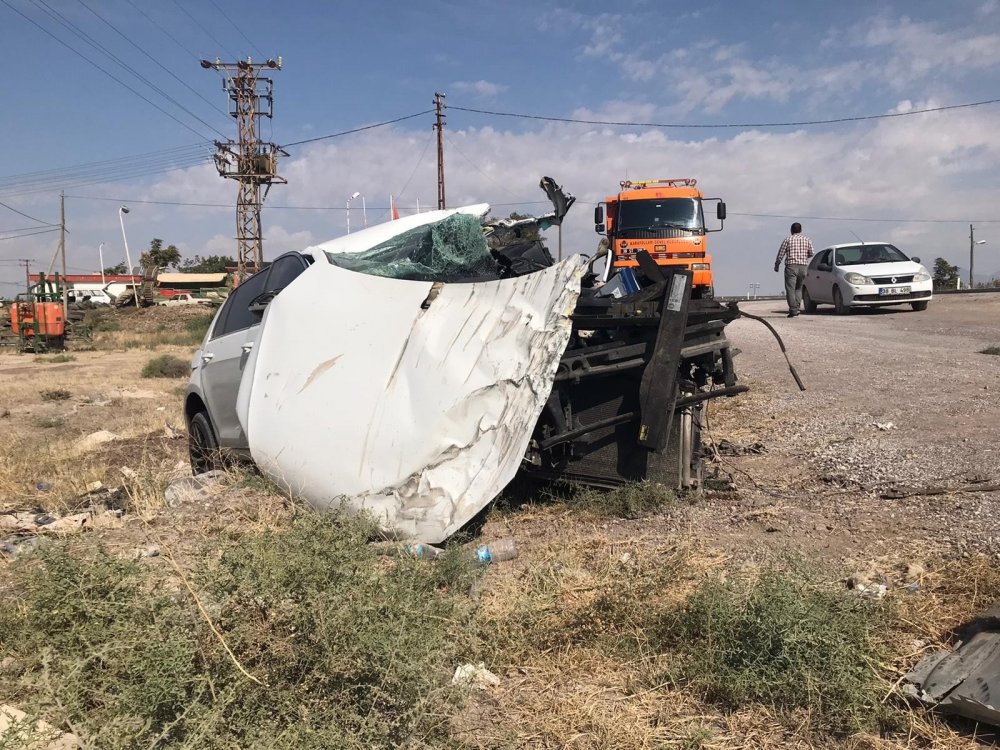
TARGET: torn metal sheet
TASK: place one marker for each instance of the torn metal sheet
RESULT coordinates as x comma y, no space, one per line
965,681
412,400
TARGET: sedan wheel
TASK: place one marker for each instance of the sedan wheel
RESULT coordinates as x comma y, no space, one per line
807,301
838,302
918,306
203,447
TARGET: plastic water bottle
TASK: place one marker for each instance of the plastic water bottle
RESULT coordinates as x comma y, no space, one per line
423,550
502,549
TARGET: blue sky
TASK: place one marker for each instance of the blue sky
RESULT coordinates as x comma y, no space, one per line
350,64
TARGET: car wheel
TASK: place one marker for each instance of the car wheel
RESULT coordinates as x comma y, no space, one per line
919,306
203,447
807,301
838,302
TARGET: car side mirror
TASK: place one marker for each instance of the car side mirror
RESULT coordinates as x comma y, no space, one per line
599,228
599,215
720,211
259,303
915,259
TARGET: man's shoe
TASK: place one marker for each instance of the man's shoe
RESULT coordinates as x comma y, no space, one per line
793,315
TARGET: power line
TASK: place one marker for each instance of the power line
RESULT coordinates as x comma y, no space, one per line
26,216
798,123
82,165
110,75
80,33
166,33
353,130
860,218
26,229
96,173
269,205
479,169
208,33
215,107
238,30
144,170
29,234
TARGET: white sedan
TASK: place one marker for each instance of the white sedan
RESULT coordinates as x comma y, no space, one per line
865,274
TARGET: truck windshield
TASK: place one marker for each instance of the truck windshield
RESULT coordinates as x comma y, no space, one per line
660,213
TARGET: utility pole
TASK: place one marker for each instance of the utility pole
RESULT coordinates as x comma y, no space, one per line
62,251
251,162
439,127
27,277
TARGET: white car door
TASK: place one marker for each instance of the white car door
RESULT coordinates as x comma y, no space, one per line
819,277
224,356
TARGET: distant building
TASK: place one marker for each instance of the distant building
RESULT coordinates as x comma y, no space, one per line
112,284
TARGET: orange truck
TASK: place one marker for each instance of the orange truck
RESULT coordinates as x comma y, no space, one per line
665,218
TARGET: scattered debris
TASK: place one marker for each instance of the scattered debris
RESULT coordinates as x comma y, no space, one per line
140,552
729,448
884,426
901,491
33,522
498,551
965,680
55,394
475,675
191,489
171,433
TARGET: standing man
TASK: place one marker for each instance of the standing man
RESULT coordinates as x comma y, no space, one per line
796,250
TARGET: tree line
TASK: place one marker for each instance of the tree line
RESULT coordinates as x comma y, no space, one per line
170,257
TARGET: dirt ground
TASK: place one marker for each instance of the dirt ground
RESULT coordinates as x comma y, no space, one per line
895,400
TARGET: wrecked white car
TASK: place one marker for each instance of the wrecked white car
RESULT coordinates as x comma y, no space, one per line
413,368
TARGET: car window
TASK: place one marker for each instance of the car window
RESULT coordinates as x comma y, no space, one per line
284,271
238,315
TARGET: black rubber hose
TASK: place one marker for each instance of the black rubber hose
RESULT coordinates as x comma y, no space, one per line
781,344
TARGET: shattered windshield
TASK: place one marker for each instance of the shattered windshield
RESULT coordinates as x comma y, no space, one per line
453,249
858,255
660,213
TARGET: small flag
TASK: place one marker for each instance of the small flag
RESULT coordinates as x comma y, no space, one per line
393,209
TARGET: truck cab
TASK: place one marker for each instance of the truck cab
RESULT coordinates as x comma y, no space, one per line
665,218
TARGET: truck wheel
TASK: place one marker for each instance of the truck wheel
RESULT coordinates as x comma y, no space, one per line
203,446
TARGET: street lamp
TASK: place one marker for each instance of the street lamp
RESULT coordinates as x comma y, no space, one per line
972,254
121,217
355,195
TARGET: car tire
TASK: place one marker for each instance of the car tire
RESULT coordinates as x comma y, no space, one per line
919,306
838,302
807,302
203,446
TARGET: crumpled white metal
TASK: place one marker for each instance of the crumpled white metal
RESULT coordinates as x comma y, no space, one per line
412,400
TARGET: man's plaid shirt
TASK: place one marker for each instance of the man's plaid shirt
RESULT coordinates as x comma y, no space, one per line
795,248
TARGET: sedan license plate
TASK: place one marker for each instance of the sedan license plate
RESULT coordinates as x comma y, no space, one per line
888,291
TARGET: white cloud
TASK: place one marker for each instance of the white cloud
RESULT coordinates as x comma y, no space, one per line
481,89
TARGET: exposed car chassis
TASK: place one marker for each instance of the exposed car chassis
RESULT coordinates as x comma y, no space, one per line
628,399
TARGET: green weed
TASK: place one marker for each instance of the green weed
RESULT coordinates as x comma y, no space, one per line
166,366
781,639
346,647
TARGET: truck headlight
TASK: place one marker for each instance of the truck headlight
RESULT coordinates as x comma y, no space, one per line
921,276
856,279
701,266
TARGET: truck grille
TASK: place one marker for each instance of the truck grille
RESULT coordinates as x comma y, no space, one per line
655,234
